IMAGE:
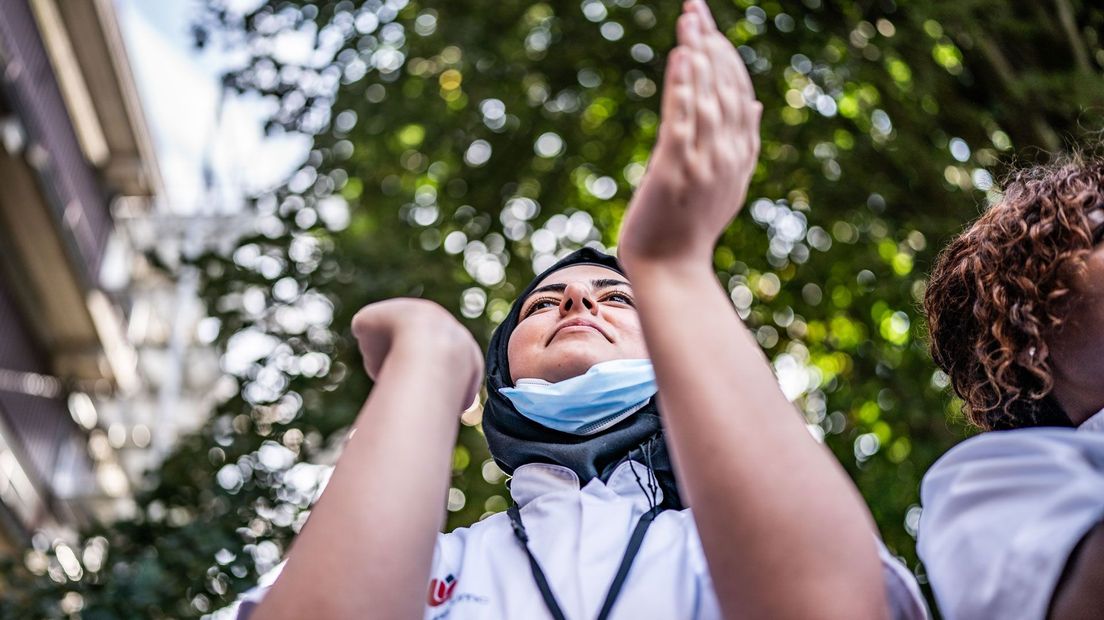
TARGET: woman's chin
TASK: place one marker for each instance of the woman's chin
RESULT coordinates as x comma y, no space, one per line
572,362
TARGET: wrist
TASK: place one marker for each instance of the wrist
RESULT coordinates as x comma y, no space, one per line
448,365
433,345
643,269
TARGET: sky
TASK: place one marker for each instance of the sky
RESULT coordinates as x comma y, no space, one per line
192,125
179,87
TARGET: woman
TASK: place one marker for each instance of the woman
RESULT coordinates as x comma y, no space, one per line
601,527
1011,526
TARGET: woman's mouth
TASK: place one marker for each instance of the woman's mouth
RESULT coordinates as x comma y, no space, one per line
577,325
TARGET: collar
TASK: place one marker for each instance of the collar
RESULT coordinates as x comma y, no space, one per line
1094,423
533,480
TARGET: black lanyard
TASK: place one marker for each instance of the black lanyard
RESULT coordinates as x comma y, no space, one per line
618,580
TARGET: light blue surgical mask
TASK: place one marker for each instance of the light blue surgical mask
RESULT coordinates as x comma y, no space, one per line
592,402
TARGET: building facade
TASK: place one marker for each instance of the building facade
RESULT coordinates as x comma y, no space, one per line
75,153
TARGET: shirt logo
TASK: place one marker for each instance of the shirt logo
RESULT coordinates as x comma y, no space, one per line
440,590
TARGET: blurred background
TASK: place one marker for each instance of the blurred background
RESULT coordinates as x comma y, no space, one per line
196,196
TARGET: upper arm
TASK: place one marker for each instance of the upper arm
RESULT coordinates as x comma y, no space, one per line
448,554
1003,513
1080,591
901,589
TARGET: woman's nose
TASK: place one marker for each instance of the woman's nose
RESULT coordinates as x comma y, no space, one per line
577,297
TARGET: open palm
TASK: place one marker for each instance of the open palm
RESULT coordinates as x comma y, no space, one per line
708,144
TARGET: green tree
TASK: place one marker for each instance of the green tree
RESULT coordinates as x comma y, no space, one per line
458,146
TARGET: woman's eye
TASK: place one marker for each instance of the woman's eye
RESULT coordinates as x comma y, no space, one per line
620,298
540,304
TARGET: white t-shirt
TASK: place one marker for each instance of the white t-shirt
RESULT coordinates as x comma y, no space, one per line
1002,513
579,536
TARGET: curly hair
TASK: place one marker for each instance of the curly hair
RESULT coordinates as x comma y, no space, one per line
1002,286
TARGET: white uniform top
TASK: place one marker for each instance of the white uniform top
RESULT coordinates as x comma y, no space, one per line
579,536
1002,513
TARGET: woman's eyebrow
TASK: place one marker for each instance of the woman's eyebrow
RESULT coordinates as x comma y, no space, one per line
608,282
598,284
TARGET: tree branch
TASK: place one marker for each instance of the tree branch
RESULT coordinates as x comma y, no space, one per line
1077,45
1008,78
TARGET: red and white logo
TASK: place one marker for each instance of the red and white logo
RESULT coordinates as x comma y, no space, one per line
440,590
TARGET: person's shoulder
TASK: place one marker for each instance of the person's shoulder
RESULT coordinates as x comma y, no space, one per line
1001,513
1026,444
682,518
490,525
1013,466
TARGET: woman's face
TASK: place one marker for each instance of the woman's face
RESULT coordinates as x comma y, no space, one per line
1076,349
576,317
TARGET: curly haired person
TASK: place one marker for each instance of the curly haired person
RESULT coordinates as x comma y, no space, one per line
1011,526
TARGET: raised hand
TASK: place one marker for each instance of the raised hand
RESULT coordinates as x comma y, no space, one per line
708,144
421,330
427,369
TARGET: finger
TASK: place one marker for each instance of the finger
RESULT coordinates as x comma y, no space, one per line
687,30
734,90
755,115
723,57
676,129
731,98
749,144
701,9
708,112
740,72
726,60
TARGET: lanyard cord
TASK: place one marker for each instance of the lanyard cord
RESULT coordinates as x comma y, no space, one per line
631,550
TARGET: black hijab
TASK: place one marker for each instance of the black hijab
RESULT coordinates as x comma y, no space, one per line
515,440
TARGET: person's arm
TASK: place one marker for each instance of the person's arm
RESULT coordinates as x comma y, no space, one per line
785,532
1080,593
367,547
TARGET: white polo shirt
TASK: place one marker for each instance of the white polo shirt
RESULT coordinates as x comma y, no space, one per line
1002,513
579,536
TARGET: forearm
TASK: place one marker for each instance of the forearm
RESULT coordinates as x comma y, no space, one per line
784,530
368,544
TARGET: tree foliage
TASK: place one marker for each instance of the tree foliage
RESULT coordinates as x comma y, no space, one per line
459,146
